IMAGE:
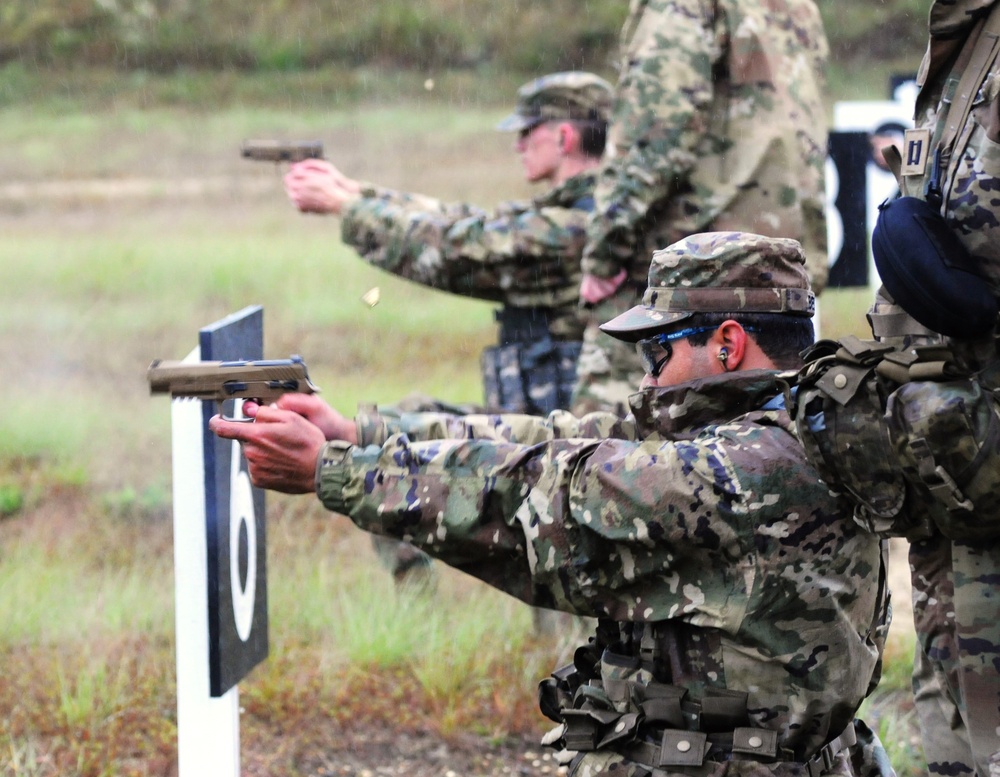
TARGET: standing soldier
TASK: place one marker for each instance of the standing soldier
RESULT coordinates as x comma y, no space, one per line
719,124
951,160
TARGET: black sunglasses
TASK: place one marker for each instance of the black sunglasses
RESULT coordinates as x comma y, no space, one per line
655,352
525,131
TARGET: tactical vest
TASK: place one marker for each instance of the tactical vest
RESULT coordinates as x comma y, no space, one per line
909,435
948,140
943,281
529,371
609,699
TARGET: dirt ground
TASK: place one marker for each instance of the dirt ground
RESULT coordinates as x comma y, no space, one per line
385,752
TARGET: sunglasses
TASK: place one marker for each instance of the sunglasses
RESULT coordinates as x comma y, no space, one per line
523,134
655,352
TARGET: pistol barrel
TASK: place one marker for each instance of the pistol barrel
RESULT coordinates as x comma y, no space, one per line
281,151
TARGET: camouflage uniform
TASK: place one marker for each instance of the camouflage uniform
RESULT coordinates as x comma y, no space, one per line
956,611
719,124
490,256
741,610
524,255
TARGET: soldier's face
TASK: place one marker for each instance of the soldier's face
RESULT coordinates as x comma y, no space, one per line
686,362
539,150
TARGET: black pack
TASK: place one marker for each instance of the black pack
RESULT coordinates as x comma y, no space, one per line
928,271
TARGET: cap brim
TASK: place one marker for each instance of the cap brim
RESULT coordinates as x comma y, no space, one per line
516,122
640,322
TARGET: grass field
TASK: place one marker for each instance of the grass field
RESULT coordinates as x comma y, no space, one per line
128,223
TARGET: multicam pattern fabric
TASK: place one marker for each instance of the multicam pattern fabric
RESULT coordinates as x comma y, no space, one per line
720,272
695,518
719,124
956,610
970,204
608,370
559,96
707,272
955,670
523,254
921,460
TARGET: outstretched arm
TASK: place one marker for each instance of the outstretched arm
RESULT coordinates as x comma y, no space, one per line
522,254
283,443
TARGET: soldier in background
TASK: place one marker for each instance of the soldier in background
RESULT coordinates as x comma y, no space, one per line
719,124
524,255
742,610
951,159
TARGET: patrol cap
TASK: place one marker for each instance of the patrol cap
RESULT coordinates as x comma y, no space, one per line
573,94
719,272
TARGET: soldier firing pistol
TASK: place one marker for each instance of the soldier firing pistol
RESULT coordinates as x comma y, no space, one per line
261,381
281,151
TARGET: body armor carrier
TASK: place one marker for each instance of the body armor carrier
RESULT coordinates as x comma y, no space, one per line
529,371
611,698
909,435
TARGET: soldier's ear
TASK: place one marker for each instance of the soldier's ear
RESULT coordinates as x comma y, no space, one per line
566,137
730,337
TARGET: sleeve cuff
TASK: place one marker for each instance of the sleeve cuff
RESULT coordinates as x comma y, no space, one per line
372,428
332,474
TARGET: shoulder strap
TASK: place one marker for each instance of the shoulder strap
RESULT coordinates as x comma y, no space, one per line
974,63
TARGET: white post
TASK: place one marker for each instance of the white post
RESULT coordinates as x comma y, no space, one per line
208,729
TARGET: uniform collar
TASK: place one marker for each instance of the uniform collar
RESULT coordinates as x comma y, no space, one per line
570,190
683,410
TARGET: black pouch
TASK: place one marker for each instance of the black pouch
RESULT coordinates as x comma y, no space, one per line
928,271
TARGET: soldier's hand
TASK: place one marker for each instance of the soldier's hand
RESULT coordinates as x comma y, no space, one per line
316,186
281,447
311,407
594,289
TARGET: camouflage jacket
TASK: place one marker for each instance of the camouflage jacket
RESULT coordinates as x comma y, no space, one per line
697,517
524,254
719,124
970,178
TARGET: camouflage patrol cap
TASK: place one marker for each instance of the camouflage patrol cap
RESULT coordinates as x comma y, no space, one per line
560,96
718,272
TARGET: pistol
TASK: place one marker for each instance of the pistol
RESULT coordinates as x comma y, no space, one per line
263,381
281,151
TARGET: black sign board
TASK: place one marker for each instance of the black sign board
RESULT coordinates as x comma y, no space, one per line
850,153
234,522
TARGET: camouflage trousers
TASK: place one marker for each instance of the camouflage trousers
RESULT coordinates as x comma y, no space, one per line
956,679
608,370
